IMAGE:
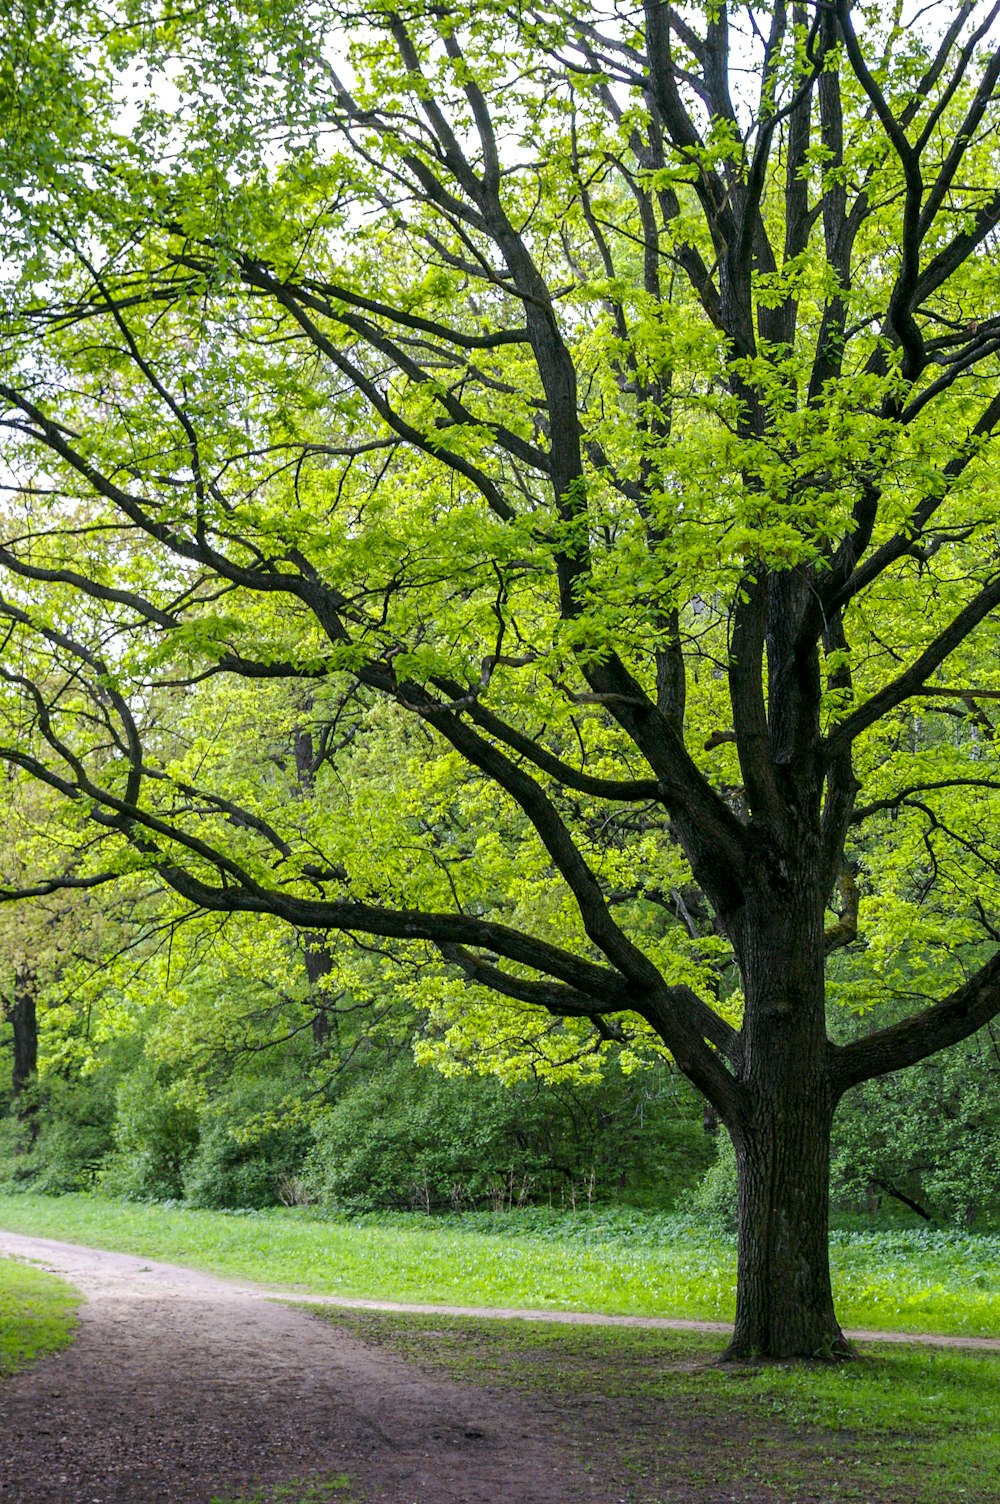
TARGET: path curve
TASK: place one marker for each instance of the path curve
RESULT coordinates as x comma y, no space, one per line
181,1387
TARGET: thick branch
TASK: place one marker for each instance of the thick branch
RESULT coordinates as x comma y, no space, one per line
554,997
953,1019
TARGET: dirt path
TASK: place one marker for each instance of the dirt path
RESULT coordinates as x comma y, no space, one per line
180,1387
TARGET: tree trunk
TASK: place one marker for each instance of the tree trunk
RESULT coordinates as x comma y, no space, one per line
23,1017
318,964
784,1303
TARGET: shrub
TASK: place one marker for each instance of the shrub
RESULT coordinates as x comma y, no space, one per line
240,1163
409,1137
714,1198
154,1137
57,1135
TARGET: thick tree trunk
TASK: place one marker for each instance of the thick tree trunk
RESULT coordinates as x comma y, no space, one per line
784,1306
784,1301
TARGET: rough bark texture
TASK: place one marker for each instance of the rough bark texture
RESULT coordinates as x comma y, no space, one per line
784,1303
782,1135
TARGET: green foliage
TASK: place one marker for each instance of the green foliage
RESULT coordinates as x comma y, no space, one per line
408,1137
403,1138
37,1315
199,1074
714,1197
58,1135
930,1134
247,1155
154,1138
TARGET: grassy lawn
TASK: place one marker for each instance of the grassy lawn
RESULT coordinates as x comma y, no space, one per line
625,1262
652,1417
36,1315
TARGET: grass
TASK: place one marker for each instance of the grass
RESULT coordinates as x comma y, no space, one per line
329,1490
621,1262
37,1315
652,1416
645,1409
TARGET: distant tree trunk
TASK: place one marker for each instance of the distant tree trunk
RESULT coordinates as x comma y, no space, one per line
22,1014
315,947
318,964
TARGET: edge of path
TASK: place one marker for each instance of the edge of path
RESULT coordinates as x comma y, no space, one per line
598,1318
20,1245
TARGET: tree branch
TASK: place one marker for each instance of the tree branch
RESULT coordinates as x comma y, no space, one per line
914,679
953,1019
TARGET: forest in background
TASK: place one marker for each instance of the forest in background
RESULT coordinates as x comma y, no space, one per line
229,1066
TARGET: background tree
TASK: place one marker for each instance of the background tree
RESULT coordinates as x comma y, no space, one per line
594,417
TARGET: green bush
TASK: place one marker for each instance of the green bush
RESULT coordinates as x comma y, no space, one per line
407,1137
240,1163
155,1136
397,1137
57,1135
714,1198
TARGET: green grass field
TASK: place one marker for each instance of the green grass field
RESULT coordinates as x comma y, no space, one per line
621,1262
36,1315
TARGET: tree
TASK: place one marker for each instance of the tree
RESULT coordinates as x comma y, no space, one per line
40,940
592,416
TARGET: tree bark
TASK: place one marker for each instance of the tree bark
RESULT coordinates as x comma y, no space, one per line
784,1300
23,1016
318,964
784,1304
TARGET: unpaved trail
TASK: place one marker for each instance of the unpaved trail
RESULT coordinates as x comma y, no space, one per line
592,1318
181,1387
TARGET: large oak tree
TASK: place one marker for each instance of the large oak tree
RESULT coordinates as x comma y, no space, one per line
575,427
